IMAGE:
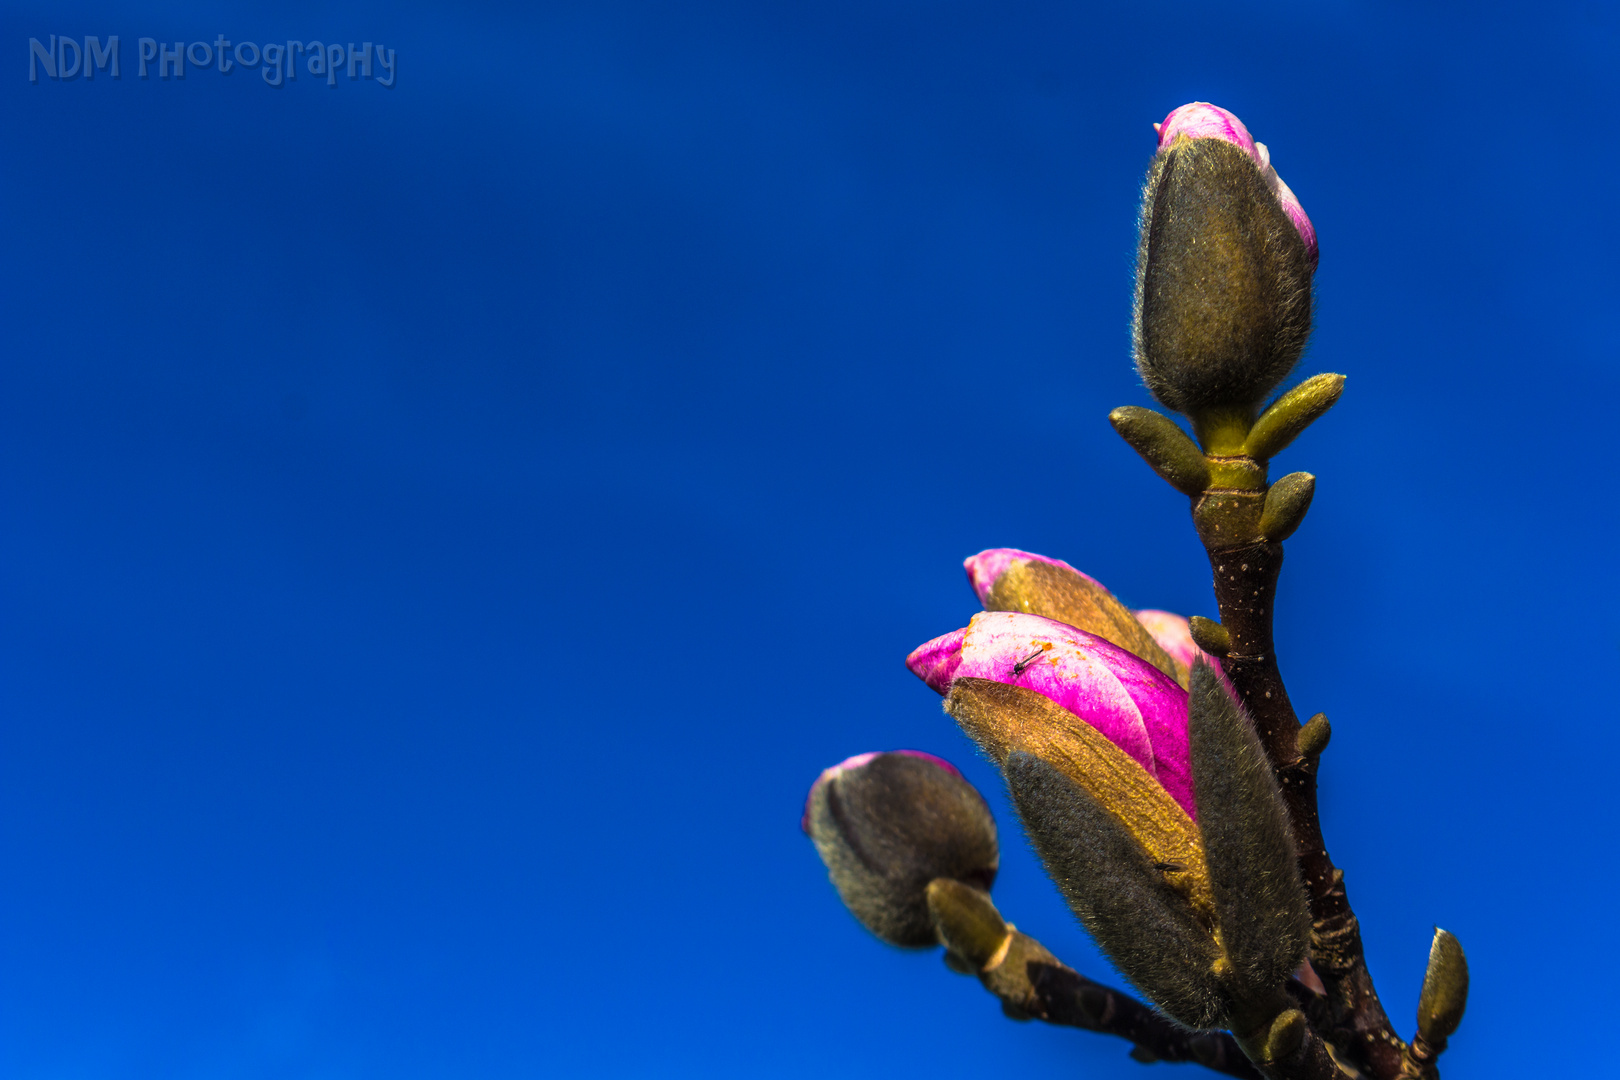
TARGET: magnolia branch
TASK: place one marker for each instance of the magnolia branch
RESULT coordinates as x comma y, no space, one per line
1245,592
1034,984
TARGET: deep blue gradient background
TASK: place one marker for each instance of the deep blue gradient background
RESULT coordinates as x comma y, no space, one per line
446,529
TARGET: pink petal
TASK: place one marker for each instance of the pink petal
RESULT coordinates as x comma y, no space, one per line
1201,120
935,662
986,568
1172,633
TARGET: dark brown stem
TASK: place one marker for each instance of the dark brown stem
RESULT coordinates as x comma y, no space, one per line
1245,590
1034,984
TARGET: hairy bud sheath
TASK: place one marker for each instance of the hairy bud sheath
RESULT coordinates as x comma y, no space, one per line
886,825
1223,276
1248,844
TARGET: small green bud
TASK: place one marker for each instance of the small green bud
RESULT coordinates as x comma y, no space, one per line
1286,1036
1291,414
1286,504
967,923
1313,737
1445,990
1209,635
1164,446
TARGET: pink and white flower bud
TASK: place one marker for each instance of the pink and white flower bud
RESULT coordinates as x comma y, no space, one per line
1007,579
1201,120
1133,704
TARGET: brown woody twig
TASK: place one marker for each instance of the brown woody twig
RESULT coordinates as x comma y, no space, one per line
1034,984
1245,575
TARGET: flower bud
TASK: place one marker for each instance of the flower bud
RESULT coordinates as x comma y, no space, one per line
887,824
1223,276
1201,120
1132,704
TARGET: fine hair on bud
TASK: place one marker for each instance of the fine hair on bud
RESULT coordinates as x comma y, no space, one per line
1146,927
1223,281
888,827
1248,844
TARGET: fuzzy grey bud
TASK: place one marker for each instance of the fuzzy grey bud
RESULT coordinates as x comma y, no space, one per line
1223,276
887,824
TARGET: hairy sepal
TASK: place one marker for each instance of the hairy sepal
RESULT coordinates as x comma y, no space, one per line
1248,843
1118,892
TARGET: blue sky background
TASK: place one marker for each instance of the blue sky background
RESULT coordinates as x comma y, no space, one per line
444,530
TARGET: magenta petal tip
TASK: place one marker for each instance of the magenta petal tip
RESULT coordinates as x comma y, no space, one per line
1201,120
935,662
986,568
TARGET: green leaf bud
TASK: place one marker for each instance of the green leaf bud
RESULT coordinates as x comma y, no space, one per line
1286,505
967,923
1445,990
1291,414
1164,446
1209,635
1313,737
